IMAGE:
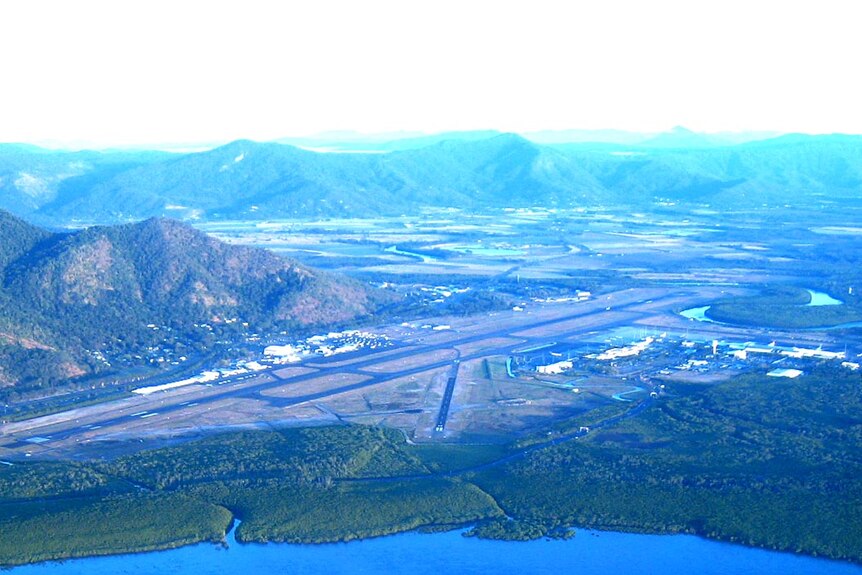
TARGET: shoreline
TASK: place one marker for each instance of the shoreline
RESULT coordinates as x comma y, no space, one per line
211,548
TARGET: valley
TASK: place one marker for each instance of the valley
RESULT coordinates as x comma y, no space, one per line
524,288
675,367
387,287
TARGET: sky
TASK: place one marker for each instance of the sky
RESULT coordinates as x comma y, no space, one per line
94,73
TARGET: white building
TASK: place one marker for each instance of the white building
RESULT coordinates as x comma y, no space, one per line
555,368
284,353
627,351
204,377
819,353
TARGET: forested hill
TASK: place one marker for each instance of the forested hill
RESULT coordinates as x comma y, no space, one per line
70,303
478,171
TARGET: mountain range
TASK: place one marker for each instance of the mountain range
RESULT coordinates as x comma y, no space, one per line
474,171
73,303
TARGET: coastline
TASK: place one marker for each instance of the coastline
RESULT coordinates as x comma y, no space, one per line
590,549
761,486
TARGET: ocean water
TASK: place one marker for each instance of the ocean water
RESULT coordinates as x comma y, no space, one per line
588,553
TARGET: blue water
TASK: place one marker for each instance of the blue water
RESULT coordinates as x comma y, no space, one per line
479,250
449,553
395,250
819,298
698,314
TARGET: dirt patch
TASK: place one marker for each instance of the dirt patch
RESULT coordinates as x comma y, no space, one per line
24,342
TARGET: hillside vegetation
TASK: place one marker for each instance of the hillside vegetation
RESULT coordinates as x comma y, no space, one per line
79,303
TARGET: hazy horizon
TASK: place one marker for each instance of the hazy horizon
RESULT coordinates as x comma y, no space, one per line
99,74
562,135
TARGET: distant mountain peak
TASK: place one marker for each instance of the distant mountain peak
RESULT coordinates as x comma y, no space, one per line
8,218
681,137
505,140
513,138
253,180
16,238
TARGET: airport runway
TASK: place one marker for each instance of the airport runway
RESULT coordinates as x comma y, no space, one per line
447,396
49,429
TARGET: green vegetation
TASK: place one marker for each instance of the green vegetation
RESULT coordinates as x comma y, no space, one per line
506,529
295,456
474,302
154,294
309,485
755,460
451,458
50,480
782,307
354,510
39,531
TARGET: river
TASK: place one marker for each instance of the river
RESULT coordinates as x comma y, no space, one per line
588,553
817,299
697,314
395,250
